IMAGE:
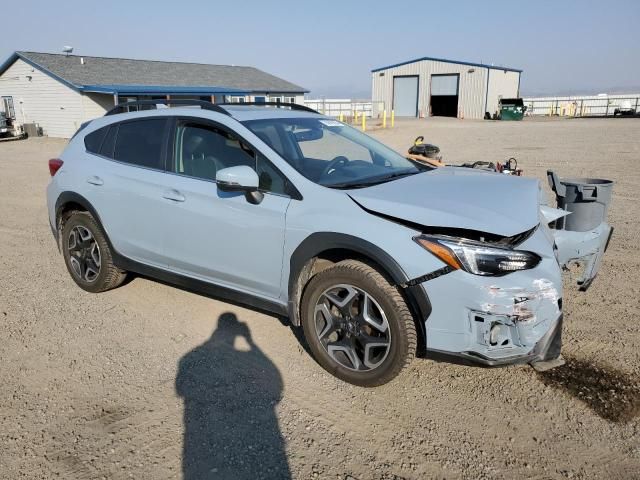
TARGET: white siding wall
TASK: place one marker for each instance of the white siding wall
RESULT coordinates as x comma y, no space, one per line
472,91
95,105
43,100
501,84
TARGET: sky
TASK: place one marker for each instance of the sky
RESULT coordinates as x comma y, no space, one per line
330,46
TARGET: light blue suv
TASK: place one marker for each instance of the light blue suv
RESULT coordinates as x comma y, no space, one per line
378,258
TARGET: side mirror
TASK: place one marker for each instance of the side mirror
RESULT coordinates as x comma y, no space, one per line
238,179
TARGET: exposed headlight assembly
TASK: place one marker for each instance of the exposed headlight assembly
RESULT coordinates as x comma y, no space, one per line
477,257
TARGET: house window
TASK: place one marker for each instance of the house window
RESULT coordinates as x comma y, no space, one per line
276,99
237,99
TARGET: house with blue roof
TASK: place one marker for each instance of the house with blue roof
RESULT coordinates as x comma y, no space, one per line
59,92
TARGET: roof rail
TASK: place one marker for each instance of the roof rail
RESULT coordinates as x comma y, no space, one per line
292,106
204,105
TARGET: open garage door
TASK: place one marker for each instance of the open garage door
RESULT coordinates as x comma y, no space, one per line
444,95
405,96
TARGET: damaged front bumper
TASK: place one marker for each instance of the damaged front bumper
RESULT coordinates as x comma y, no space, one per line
546,349
516,318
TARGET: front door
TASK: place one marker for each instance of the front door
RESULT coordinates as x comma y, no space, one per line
219,236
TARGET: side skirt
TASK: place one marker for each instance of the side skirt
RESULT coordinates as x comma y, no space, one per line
199,286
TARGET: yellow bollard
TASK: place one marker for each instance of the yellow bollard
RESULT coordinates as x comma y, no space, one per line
384,119
364,123
393,118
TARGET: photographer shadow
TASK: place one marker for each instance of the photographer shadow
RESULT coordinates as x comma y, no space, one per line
230,394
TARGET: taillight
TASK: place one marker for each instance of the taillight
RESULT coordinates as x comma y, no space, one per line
54,165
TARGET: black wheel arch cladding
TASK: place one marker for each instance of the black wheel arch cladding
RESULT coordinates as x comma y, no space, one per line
319,242
72,198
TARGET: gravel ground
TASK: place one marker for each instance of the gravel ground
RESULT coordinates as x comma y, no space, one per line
135,382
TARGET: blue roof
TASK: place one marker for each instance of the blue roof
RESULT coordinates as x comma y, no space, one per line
160,89
458,62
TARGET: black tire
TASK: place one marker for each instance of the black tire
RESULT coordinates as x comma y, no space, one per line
401,329
108,276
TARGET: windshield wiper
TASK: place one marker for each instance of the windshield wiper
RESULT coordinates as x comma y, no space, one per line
373,181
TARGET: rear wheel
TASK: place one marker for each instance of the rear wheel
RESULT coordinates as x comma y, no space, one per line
357,324
87,254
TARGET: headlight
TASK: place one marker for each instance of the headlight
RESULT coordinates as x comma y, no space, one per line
477,257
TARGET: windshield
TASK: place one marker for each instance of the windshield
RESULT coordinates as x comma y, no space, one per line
331,153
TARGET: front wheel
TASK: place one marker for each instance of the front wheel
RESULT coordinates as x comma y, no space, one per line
357,324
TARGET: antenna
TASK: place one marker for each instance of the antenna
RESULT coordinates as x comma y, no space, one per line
67,49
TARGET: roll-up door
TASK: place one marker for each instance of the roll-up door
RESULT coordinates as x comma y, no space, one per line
444,95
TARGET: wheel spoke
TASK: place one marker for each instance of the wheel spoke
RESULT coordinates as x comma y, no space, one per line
329,325
75,264
342,304
85,234
369,315
73,242
90,273
347,348
372,345
95,254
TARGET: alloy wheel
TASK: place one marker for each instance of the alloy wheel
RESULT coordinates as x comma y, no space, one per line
352,327
84,253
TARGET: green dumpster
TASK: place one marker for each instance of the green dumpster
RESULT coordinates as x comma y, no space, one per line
512,109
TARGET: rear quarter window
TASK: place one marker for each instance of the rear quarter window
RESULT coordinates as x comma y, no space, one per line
109,142
93,141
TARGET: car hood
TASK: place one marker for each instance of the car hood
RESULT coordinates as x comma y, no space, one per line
457,198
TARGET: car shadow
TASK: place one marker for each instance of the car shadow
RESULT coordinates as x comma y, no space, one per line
230,390
613,395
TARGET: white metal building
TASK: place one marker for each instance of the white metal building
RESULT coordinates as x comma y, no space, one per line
434,86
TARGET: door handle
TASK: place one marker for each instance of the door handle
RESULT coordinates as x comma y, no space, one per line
95,180
174,195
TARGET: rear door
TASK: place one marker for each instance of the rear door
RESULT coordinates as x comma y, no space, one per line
219,236
126,182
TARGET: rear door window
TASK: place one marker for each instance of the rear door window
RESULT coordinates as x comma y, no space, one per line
140,143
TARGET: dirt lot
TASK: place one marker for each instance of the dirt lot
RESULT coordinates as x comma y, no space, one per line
129,383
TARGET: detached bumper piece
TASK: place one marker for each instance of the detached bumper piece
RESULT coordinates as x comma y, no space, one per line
581,232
